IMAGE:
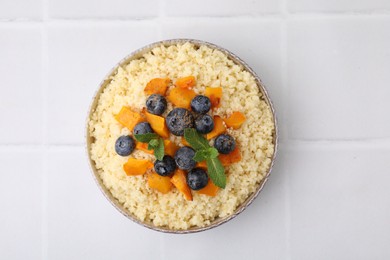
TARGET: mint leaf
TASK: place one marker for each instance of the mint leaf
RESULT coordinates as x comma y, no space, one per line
159,149
196,140
145,138
204,154
153,144
212,153
200,156
216,172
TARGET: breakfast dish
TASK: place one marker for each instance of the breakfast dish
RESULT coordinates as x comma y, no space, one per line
181,136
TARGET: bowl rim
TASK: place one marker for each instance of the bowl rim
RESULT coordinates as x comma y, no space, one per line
107,79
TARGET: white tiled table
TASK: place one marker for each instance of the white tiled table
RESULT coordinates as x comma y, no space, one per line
326,64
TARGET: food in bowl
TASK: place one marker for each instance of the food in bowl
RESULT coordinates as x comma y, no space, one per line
149,119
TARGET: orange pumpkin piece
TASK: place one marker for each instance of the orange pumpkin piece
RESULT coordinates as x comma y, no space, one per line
128,118
210,189
157,86
158,124
215,96
136,166
233,157
219,128
181,97
186,82
184,141
170,147
143,147
179,180
202,165
161,183
235,120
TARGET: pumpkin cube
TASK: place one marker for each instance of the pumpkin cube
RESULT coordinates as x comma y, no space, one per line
160,183
143,147
233,157
186,82
181,97
158,124
170,147
215,96
128,118
157,86
136,166
180,181
209,190
219,128
235,120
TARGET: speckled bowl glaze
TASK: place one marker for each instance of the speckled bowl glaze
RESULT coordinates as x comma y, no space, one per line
138,54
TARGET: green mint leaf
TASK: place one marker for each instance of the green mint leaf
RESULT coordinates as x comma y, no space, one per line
212,153
145,138
200,156
159,150
216,172
153,144
204,154
196,140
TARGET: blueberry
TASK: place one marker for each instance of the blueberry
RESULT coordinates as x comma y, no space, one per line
165,167
204,124
224,143
197,179
183,158
124,145
200,104
178,120
156,104
142,128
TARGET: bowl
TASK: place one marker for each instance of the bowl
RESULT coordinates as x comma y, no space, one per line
137,54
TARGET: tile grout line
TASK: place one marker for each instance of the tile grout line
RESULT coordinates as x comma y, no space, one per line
285,134
118,21
45,84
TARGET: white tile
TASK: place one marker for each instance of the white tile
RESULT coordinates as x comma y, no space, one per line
221,7
338,5
258,43
82,224
339,203
257,233
21,91
20,9
79,58
338,75
103,9
21,206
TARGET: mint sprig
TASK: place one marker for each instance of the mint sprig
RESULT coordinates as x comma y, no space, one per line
204,152
145,138
215,168
154,142
196,140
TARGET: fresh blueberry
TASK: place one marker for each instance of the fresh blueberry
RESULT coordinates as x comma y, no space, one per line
224,143
200,104
204,124
197,179
183,158
156,104
142,128
166,166
178,120
124,145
